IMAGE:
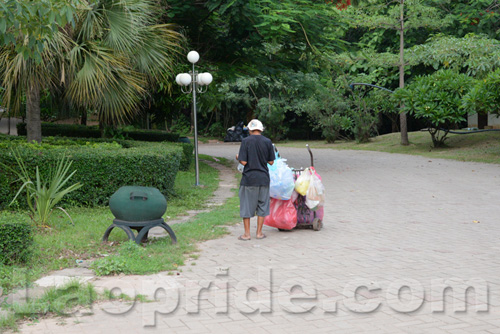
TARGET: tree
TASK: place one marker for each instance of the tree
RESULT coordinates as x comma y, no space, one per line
25,77
256,46
437,98
476,55
31,41
471,16
484,97
394,15
105,60
118,52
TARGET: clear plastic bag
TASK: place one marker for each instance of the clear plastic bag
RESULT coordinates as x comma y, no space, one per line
315,195
240,167
282,183
282,214
303,181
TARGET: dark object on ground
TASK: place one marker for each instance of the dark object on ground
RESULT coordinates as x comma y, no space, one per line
236,133
140,209
185,140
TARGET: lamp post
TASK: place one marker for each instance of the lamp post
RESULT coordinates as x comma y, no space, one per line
194,82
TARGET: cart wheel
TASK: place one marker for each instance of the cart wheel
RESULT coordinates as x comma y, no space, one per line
316,223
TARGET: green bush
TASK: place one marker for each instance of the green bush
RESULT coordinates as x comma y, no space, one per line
437,98
150,135
484,97
83,131
64,130
101,171
16,242
187,156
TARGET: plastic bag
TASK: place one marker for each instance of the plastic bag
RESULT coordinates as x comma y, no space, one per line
315,195
282,214
240,167
282,183
303,181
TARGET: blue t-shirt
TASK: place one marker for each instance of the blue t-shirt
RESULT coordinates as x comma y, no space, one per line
256,150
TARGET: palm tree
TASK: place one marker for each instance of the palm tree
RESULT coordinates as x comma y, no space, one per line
22,76
105,62
118,52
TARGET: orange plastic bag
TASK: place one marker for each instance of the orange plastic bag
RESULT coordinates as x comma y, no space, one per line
282,214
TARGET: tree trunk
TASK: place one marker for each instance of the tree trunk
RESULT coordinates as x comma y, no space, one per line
101,127
83,120
402,116
34,124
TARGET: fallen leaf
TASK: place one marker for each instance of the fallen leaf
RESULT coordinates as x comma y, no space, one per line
476,221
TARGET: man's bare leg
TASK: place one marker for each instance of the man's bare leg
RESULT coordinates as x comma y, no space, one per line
260,223
246,236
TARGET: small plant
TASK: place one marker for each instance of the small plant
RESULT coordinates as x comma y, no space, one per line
43,196
109,266
117,264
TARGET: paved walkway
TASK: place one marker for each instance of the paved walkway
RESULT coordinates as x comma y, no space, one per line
404,237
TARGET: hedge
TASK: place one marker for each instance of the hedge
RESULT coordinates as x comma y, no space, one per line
16,242
64,130
84,131
187,148
100,170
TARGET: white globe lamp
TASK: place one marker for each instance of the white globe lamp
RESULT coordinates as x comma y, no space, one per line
185,79
205,78
193,57
178,79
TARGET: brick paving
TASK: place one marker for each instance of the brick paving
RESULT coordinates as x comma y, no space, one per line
404,237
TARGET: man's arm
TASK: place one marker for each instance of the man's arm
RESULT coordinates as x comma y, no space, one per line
272,155
240,161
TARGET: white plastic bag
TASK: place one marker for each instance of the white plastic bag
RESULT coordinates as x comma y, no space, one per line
282,183
315,195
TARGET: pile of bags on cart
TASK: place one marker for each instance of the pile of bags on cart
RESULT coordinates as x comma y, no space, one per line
297,196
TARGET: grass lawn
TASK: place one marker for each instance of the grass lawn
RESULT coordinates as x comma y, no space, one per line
63,244
479,147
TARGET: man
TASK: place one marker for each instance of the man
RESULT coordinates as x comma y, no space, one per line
256,151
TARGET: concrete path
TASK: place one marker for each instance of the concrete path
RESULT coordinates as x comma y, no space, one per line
409,245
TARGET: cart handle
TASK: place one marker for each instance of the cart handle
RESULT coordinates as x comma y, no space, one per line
311,154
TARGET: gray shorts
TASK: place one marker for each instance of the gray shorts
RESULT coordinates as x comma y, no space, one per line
254,200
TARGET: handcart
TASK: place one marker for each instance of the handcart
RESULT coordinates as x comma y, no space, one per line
289,207
307,218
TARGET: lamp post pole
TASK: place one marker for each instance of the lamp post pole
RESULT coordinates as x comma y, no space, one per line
194,83
196,166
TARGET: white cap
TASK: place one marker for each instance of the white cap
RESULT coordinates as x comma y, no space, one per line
255,124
